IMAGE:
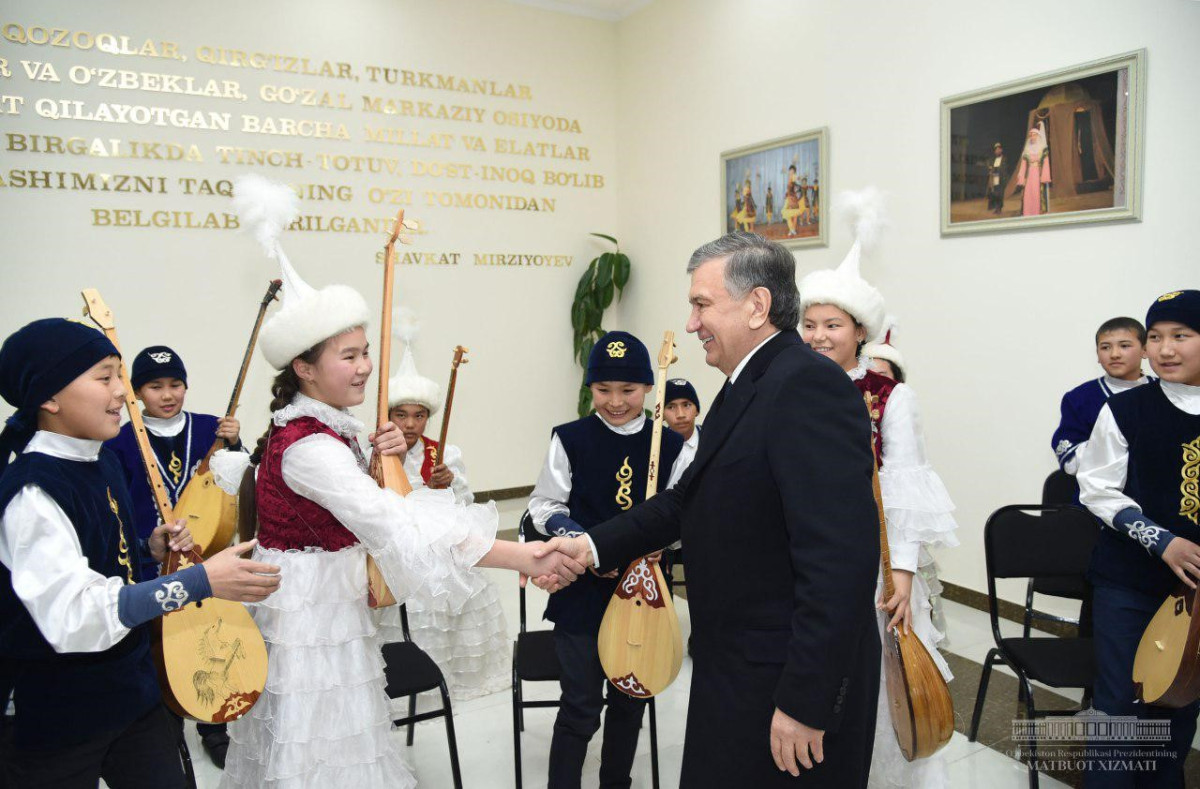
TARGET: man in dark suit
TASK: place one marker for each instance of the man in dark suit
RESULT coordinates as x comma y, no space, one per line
782,537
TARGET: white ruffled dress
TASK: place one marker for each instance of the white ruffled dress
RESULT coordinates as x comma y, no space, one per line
467,638
918,511
324,720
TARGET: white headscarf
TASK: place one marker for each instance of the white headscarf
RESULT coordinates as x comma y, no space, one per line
1035,148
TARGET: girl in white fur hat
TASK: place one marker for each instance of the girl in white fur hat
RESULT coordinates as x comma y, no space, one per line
841,313
324,718
467,638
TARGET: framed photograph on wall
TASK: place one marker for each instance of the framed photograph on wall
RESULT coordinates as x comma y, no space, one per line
1056,149
775,189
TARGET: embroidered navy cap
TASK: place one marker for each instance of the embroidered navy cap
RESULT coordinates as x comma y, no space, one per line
619,356
1180,306
36,362
157,361
682,389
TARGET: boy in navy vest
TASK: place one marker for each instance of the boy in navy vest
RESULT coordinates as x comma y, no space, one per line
73,617
1120,348
595,469
180,440
1138,475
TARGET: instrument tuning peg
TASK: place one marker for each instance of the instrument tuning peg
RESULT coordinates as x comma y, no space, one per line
412,225
404,239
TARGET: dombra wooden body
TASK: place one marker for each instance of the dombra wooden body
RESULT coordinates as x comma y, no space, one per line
211,513
1166,668
640,643
212,661
386,470
919,702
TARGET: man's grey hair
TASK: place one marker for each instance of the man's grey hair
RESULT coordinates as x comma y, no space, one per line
754,262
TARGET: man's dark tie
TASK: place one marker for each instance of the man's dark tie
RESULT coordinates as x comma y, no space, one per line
720,398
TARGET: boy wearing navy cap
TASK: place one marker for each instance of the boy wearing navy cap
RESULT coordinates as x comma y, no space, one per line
680,412
595,469
1138,474
72,615
180,440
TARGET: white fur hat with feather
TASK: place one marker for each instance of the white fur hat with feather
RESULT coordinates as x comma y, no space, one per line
307,316
407,385
844,286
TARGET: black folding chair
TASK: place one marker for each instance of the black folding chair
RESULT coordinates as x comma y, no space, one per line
1059,490
409,671
535,660
1036,541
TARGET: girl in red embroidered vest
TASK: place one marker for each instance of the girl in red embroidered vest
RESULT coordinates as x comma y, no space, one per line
467,638
841,312
324,718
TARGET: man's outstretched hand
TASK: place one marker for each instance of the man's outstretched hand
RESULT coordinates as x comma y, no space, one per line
573,553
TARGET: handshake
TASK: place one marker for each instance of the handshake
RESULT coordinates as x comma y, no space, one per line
554,564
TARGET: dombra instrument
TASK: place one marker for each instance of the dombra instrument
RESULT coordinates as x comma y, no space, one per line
1166,668
212,662
387,470
460,354
211,513
919,700
640,643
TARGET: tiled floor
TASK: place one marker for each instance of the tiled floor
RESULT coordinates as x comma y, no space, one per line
484,726
484,730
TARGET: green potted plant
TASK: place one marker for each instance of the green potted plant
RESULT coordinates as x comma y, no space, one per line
605,277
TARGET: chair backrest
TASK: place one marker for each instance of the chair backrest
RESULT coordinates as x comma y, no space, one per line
1036,541
1032,541
1060,488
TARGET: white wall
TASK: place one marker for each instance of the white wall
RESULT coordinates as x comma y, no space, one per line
197,290
994,327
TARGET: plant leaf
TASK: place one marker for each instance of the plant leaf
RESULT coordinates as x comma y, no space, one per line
620,271
604,269
585,280
593,311
585,350
579,315
584,406
605,293
609,238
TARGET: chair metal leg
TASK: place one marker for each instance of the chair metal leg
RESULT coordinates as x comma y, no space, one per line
516,690
412,710
653,746
448,714
992,656
185,756
1031,713
1028,609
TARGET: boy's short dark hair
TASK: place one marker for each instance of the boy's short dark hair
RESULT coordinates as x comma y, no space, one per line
1118,324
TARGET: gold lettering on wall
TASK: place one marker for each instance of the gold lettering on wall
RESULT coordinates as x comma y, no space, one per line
447,141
